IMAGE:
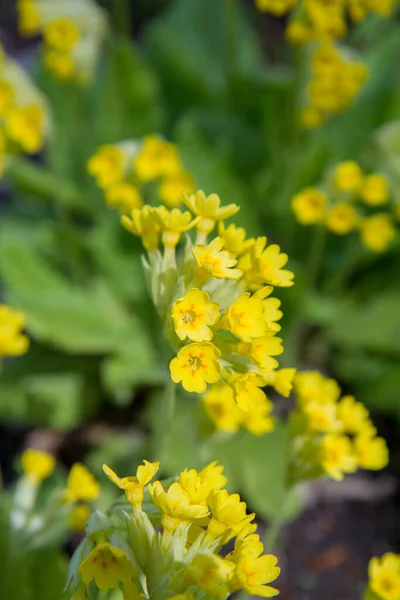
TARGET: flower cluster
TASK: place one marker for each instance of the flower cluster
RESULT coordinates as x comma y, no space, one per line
334,204
12,341
331,435
24,121
174,540
127,172
215,299
72,31
384,576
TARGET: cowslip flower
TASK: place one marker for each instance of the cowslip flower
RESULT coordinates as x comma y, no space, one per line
173,188
37,465
221,407
348,176
234,237
276,7
335,455
25,126
377,232
195,366
12,341
309,206
157,158
215,262
199,484
341,218
353,415
176,505
251,316
211,573
375,190
61,34
254,572
78,517
81,485
134,486
209,211
263,349
172,224
228,515
281,380
124,196
144,223
384,576
193,315
107,165
107,566
370,452
264,265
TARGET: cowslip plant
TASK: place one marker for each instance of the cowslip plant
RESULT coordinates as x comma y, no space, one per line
12,341
172,541
384,578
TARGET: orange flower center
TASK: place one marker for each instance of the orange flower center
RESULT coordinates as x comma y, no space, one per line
194,363
189,317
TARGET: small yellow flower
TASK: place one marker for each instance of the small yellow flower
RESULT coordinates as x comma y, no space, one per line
377,232
352,414
193,314
157,158
370,452
25,126
258,419
384,576
253,572
175,504
199,485
107,565
312,386
348,176
59,64
281,380
235,241
375,190
124,196
107,165
61,34
247,316
263,349
12,341
219,403
335,455
321,417
215,262
271,262
298,32
195,366
276,7
310,117
173,223
212,573
144,223
134,485
7,95
28,18
341,218
172,188
209,210
81,485
78,517
37,465
246,387
228,515
309,206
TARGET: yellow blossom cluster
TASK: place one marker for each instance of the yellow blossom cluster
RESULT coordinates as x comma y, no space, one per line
127,172
24,121
72,31
12,341
187,556
334,204
215,301
384,576
332,435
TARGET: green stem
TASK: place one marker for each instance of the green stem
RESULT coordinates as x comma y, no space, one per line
166,422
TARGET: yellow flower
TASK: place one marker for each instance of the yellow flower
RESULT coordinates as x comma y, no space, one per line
298,32
61,34
199,485
234,239
341,218
270,262
24,126
348,176
247,316
209,210
258,420
195,366
352,414
312,386
309,206
321,417
81,485
175,504
246,387
28,18
228,515
326,59
12,341
172,224
124,196
7,95
134,485
384,576
210,572
157,158
281,380
107,565
59,64
193,314
253,572
78,517
375,190
370,452
144,223
311,117
335,455
107,165
276,7
377,232
37,465
263,349
219,403
172,188
215,262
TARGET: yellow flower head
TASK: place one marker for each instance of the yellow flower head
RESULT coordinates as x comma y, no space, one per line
61,34
60,64
209,209
212,573
78,517
81,485
107,165
193,315
173,223
335,455
215,262
375,190
246,387
377,232
258,419
252,317
234,239
173,188
37,465
326,59
276,7
219,403
134,485
281,380
28,18
144,223
25,126
253,572
384,576
12,341
176,505
124,196
321,417
107,566
269,263
228,515
312,386
157,158
298,32
352,414
370,452
348,176
195,366
309,206
341,218
263,349
199,485
7,95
